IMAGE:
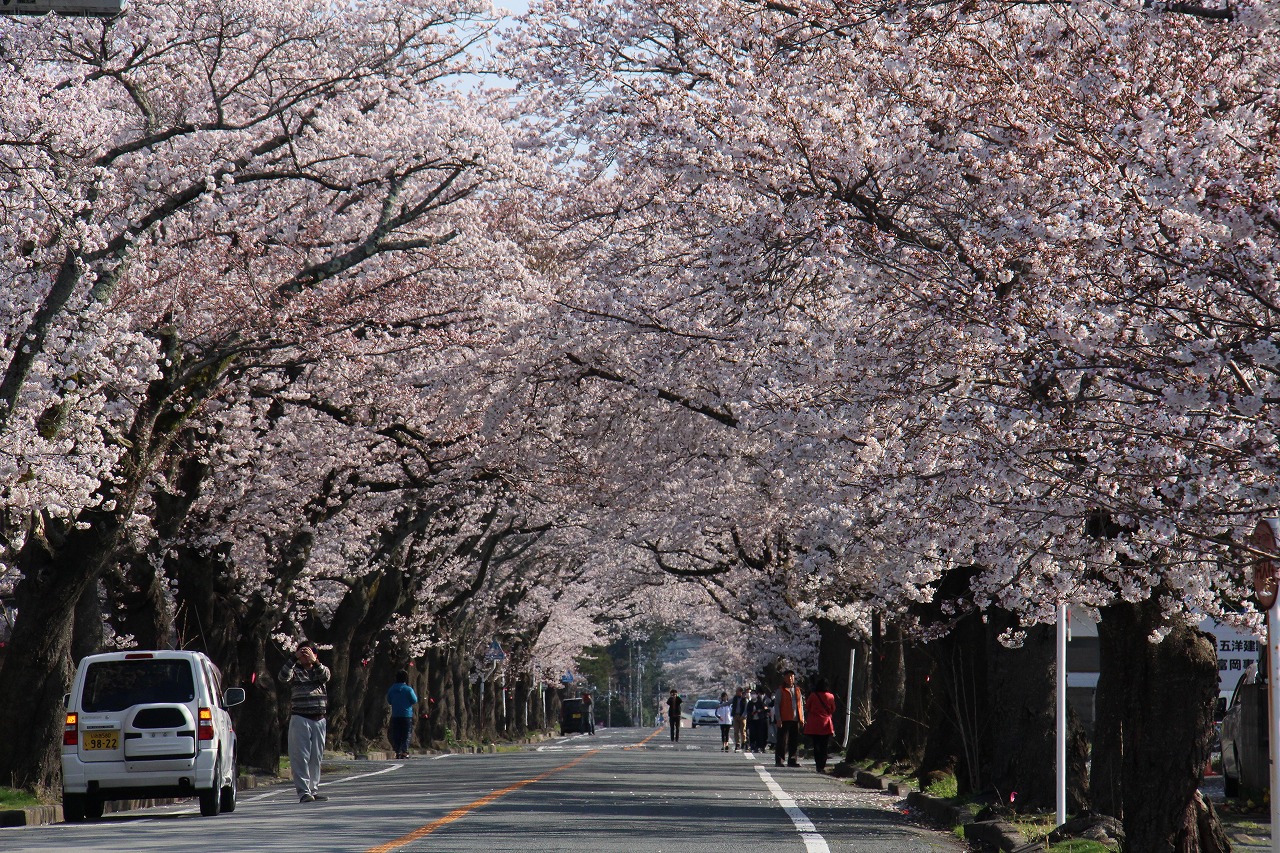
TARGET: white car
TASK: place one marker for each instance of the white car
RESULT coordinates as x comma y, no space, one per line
148,724
704,711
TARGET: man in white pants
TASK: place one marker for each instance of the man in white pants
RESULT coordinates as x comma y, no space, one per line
308,707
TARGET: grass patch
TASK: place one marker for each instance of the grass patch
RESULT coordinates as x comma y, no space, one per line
1034,827
13,798
1080,845
945,788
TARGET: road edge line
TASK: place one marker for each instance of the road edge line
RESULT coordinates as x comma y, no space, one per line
813,840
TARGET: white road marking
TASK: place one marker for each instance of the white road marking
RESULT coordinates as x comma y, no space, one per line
278,791
362,775
441,755
813,842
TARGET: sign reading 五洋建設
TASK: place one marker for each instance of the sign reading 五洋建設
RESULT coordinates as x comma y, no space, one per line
81,8
1236,655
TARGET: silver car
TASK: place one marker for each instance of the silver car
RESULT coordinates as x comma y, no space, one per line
704,711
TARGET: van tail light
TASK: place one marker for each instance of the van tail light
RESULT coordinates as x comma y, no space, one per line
71,733
205,726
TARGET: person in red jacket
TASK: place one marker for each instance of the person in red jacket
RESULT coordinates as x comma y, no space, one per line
819,707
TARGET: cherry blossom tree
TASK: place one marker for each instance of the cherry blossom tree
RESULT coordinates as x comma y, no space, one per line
981,282
215,188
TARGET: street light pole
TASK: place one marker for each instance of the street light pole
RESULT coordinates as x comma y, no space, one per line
848,701
1062,716
1265,586
1273,689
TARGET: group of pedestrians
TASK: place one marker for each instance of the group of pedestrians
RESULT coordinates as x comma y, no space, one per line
754,720
744,717
748,719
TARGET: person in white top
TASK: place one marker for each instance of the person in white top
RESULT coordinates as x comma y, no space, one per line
724,713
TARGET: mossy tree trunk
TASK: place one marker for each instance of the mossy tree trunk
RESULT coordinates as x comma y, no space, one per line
1153,729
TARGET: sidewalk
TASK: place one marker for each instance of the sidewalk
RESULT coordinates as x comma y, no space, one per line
1248,828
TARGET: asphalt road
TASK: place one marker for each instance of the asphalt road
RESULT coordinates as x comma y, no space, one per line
623,790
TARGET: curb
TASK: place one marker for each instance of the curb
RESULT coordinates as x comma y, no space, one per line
998,834
44,815
31,816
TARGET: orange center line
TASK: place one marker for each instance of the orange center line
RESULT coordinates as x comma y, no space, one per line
652,735
458,813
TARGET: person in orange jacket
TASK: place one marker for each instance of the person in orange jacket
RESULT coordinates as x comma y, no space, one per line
788,712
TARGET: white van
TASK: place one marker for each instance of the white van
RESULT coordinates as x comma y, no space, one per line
148,724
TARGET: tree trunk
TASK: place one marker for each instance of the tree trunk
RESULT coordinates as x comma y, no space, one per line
58,566
216,619
1153,730
380,674
1019,752
888,693
142,608
437,708
261,720
519,703
913,735
37,672
959,712
87,633
834,644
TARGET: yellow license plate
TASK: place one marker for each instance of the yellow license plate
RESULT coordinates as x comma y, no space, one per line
102,740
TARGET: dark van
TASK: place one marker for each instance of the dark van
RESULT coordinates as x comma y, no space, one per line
574,716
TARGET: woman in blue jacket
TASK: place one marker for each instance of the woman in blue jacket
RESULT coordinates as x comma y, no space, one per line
401,698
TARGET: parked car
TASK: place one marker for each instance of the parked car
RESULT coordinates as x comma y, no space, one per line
575,716
1245,745
148,724
704,711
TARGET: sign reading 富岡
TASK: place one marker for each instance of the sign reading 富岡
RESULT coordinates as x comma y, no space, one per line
88,8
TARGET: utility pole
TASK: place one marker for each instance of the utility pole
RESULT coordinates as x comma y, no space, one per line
640,694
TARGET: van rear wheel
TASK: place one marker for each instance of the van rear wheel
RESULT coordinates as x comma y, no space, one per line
229,791
211,797
93,806
72,807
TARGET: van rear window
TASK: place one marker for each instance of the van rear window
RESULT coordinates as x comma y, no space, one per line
116,685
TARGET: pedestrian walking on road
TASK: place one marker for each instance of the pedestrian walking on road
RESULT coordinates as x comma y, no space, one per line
738,708
724,713
788,711
819,707
673,713
587,713
401,698
307,678
757,722
771,724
